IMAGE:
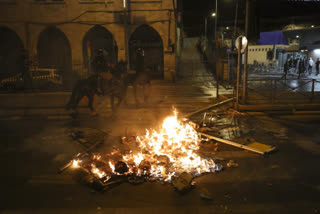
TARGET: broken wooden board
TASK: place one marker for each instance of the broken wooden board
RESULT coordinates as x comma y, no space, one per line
262,147
262,150
88,138
208,107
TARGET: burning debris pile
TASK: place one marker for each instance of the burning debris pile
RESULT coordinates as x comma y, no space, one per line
169,154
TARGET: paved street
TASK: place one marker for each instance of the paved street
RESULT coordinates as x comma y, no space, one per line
32,150
35,131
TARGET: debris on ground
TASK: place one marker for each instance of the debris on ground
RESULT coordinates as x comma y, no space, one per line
87,137
176,153
205,194
183,182
232,163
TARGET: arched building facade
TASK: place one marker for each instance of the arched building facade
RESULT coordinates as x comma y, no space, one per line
66,34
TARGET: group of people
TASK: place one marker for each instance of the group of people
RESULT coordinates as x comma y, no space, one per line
300,65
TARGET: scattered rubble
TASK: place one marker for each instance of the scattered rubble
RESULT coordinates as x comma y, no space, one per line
231,163
205,194
170,155
183,182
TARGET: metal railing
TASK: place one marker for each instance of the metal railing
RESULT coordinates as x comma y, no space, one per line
280,91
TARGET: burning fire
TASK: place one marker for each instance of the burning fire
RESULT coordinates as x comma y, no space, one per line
161,154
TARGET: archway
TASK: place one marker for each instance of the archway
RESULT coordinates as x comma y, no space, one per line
54,52
11,53
147,39
99,38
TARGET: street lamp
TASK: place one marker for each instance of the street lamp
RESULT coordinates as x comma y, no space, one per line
213,15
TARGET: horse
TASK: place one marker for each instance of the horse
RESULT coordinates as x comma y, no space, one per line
104,83
136,79
85,88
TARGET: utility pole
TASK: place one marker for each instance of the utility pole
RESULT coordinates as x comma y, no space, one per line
215,47
125,17
245,72
238,71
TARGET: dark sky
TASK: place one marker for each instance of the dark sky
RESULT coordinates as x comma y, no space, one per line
280,12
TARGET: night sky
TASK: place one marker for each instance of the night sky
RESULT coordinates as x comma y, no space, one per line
284,11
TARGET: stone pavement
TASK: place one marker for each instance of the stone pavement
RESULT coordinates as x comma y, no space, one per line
185,95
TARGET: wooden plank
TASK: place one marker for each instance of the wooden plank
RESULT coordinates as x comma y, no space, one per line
208,107
235,144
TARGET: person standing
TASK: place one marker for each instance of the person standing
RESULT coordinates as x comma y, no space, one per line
310,65
300,67
317,66
27,78
285,69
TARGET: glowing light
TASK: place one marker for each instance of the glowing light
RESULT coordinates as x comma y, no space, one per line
316,51
75,163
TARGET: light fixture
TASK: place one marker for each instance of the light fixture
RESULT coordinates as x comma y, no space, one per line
312,25
316,51
213,14
227,28
297,36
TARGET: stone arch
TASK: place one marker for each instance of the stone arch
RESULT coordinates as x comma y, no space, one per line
54,51
148,39
11,53
97,38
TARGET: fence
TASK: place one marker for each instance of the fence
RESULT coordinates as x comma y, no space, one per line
45,79
283,91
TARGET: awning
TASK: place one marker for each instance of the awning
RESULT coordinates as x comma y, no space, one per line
272,38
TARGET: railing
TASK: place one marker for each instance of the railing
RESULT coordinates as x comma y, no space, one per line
279,91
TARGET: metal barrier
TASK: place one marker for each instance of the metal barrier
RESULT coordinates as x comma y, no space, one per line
280,91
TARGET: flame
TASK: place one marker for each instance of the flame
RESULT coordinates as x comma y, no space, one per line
75,163
165,153
111,166
98,172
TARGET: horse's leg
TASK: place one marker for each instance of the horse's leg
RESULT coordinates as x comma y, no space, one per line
75,101
135,91
125,92
90,104
71,102
146,91
112,102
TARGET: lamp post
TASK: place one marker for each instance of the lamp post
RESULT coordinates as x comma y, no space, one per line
125,17
216,21
206,22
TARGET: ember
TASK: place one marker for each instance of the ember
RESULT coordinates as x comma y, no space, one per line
162,155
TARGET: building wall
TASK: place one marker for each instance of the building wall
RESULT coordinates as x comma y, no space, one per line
258,53
28,18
